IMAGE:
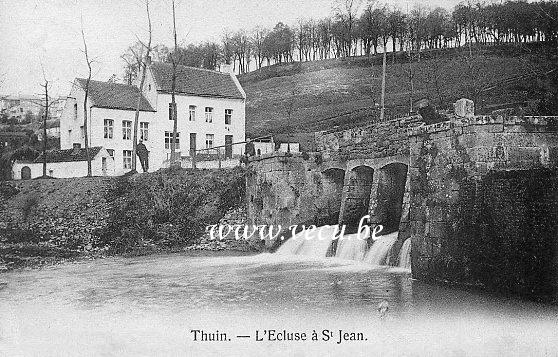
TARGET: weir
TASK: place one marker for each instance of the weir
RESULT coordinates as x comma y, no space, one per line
317,242
418,181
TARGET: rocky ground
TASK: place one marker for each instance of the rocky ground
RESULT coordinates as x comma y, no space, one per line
47,221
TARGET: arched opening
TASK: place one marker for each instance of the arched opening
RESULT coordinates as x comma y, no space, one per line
330,196
25,173
391,189
357,201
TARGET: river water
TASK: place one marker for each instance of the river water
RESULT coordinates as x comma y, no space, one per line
147,306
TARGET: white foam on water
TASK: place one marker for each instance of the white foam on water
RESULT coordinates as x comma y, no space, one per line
380,249
352,246
313,243
405,255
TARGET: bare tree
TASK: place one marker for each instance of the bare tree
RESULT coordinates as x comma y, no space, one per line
174,61
134,57
85,130
142,63
45,86
346,12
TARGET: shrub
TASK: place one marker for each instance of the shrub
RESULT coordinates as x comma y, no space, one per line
170,207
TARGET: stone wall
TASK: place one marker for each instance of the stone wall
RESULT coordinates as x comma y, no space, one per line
355,172
449,162
373,141
288,189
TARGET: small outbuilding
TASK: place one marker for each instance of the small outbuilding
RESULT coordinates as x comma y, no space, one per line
66,163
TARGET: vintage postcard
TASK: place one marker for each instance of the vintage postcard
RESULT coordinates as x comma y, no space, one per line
278,178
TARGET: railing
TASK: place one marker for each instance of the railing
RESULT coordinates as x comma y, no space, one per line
218,153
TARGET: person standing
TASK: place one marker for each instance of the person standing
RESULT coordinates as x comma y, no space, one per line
143,155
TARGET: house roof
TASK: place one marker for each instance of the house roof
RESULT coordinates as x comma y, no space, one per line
195,81
115,95
69,155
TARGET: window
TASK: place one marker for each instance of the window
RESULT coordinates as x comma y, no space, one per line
228,116
127,157
126,130
144,131
111,152
170,110
208,115
109,124
209,138
76,145
192,112
75,111
82,131
149,86
168,140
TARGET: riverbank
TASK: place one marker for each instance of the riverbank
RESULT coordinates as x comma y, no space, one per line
43,222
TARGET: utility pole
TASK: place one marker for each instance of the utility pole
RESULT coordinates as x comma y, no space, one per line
383,99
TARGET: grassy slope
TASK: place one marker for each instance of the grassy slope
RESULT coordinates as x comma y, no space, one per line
330,88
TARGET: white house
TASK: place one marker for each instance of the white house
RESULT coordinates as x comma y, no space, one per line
66,163
210,107
111,111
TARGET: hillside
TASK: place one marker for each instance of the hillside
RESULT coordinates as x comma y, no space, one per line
328,93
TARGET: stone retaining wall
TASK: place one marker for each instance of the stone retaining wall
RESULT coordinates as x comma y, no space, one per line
448,162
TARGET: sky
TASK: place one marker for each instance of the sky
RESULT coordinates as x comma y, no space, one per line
46,34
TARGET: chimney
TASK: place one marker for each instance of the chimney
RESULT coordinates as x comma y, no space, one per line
225,68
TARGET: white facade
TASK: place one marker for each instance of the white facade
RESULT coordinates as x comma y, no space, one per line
263,147
71,130
108,127
200,127
101,165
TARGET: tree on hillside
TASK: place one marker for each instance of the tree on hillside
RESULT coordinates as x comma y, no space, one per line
396,28
417,26
279,44
227,47
346,12
257,42
324,37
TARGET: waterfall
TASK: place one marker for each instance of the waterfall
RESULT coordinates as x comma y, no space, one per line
316,243
380,249
312,243
352,247
405,255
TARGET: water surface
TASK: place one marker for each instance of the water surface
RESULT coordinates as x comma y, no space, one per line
147,306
